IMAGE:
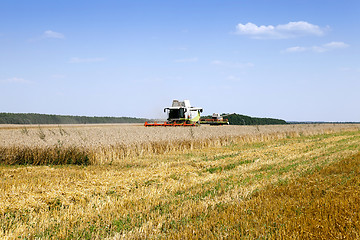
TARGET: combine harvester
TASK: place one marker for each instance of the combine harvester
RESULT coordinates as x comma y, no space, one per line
216,119
180,114
184,115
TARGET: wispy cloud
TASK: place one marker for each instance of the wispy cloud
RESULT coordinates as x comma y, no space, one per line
16,80
184,60
296,49
85,60
323,48
52,34
282,31
232,64
334,45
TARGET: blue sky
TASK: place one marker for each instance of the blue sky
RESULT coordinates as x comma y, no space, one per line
294,60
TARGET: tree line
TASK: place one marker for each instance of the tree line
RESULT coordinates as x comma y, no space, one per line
237,119
35,118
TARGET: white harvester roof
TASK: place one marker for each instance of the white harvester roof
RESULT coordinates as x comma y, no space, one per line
176,104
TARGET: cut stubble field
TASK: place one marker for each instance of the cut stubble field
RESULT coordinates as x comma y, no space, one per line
180,183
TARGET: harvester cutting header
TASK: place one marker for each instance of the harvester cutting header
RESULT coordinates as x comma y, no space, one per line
183,114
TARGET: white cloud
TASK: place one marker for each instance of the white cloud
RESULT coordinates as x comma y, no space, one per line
16,80
187,60
333,45
320,49
232,64
289,30
52,34
85,60
295,49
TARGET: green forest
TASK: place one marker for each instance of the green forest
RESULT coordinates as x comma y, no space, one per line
35,118
237,119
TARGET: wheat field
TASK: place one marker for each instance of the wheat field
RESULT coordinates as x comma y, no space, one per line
132,182
110,134
108,144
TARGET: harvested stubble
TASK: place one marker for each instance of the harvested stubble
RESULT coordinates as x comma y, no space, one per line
111,144
193,194
322,205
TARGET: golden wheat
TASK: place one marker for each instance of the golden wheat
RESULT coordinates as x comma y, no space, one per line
110,144
158,190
